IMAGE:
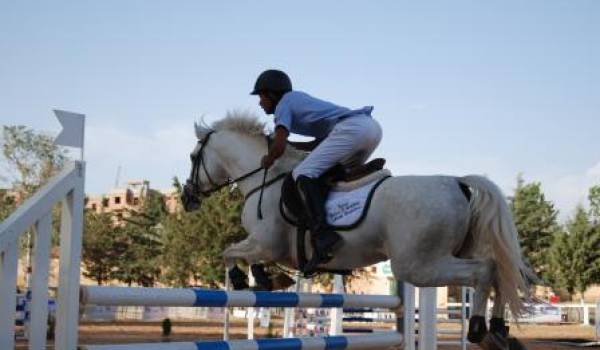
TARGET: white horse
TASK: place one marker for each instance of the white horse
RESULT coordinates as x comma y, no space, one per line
433,233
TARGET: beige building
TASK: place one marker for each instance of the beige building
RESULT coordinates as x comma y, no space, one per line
130,197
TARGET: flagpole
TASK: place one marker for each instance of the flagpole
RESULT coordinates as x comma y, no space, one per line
83,140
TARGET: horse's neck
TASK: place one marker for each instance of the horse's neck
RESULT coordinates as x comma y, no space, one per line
242,154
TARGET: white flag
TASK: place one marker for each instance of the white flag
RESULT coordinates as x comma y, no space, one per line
73,127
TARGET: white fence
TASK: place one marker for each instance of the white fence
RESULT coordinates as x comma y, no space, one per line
66,187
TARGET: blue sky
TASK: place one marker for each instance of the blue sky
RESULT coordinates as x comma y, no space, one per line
495,88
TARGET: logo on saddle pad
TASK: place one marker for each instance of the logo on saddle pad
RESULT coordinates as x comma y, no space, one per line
345,208
346,204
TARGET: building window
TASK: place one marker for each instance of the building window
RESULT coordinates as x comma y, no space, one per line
117,200
136,201
105,202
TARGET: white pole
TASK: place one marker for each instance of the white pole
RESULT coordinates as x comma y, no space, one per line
67,313
226,309
586,315
39,283
8,297
427,318
290,313
463,318
408,321
250,312
337,314
597,319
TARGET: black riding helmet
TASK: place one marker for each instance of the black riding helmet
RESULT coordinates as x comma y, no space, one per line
272,80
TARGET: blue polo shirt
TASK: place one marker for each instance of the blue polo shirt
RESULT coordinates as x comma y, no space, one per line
303,114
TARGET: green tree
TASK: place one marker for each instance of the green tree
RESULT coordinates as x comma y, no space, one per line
141,243
535,218
7,204
594,198
194,242
561,256
100,254
140,249
586,254
31,158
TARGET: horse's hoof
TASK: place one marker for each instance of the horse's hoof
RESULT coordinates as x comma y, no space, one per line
238,279
281,281
258,288
515,344
477,329
494,341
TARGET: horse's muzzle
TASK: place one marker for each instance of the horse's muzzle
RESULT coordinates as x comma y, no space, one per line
190,200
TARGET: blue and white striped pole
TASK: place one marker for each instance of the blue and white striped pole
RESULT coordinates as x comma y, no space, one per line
355,342
117,296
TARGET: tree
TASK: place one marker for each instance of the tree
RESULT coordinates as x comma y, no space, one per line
535,218
7,204
101,247
586,253
594,198
31,158
140,249
561,257
194,242
141,243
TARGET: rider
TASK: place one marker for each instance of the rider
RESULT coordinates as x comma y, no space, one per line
341,136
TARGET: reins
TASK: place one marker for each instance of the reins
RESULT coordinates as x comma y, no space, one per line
198,161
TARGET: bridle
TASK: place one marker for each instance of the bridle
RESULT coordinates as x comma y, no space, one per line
198,162
193,187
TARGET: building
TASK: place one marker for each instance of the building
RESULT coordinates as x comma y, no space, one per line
130,197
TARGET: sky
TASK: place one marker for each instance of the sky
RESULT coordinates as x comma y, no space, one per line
460,87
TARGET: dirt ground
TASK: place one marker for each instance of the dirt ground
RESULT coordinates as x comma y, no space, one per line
535,337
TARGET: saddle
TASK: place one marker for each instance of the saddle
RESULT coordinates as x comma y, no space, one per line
338,178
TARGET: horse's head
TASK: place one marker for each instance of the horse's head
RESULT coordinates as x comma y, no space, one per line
207,174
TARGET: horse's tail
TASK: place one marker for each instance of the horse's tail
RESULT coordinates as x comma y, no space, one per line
492,223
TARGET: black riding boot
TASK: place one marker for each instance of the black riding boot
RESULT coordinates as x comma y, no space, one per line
325,239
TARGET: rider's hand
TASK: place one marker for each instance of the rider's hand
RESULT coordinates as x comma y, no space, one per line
267,161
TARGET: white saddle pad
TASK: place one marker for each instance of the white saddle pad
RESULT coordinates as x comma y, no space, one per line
344,208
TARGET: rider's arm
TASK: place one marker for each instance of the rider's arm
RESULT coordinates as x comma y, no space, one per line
305,146
277,147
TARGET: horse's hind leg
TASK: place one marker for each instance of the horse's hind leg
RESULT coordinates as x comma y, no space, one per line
450,270
498,336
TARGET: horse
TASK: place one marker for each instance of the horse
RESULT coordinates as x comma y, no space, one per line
435,230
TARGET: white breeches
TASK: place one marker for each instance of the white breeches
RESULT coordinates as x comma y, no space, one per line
350,143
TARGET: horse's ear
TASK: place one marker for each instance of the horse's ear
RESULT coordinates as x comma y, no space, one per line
201,131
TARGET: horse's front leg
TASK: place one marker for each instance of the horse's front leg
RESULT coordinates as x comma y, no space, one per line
240,250
249,251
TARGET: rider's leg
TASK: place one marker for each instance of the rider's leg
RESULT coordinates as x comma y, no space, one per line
326,240
351,139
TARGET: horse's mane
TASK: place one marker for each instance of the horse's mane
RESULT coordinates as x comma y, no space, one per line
248,123
243,122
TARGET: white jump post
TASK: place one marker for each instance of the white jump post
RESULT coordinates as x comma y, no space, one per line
406,318
226,310
250,312
39,283
337,314
427,318
8,299
68,187
289,319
